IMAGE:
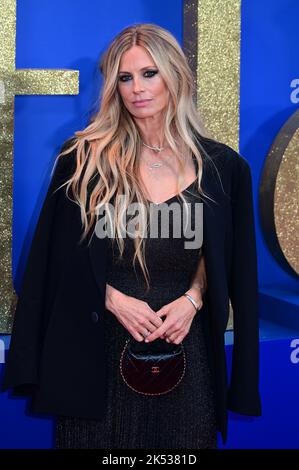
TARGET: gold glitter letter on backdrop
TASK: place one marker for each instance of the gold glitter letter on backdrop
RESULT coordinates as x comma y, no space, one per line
279,197
17,82
212,39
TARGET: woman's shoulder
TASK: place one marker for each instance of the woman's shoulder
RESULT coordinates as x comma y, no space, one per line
64,163
223,155
67,152
66,158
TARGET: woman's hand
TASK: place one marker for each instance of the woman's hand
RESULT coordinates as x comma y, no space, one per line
134,314
179,316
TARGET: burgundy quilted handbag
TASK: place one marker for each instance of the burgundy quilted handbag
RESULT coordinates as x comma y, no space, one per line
152,368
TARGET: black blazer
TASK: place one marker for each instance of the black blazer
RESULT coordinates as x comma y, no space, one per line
57,351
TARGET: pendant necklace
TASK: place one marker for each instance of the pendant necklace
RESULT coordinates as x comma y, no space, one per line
156,149
158,164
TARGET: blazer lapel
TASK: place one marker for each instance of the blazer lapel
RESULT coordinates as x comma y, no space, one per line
214,233
98,250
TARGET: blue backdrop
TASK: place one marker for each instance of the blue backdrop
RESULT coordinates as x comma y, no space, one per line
67,34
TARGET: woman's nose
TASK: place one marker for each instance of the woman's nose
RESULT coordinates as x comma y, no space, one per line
137,84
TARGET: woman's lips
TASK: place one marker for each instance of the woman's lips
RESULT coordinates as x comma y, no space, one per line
141,103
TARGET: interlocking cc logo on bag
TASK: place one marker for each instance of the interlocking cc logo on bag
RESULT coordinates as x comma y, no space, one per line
151,372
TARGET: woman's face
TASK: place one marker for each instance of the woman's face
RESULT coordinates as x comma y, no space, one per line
139,79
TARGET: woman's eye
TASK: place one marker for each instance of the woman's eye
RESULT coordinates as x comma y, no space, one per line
147,74
124,78
152,72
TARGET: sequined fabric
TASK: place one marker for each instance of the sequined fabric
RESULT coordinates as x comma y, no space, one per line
181,419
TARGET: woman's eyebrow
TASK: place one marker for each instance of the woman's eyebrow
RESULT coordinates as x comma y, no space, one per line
143,68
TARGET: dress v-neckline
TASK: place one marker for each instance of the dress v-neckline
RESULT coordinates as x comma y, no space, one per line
172,197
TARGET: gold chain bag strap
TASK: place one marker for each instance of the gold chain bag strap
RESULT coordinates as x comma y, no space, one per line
152,368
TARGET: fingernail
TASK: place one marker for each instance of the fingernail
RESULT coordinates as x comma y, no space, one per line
146,341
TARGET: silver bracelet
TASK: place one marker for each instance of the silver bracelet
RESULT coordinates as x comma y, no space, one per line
192,301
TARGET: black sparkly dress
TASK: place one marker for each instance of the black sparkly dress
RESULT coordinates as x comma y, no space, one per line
181,419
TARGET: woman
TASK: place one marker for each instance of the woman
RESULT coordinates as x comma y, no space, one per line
84,295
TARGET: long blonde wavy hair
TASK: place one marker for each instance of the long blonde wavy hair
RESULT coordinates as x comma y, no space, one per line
111,158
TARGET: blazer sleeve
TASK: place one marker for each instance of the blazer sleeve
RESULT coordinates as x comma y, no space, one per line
243,393
21,368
